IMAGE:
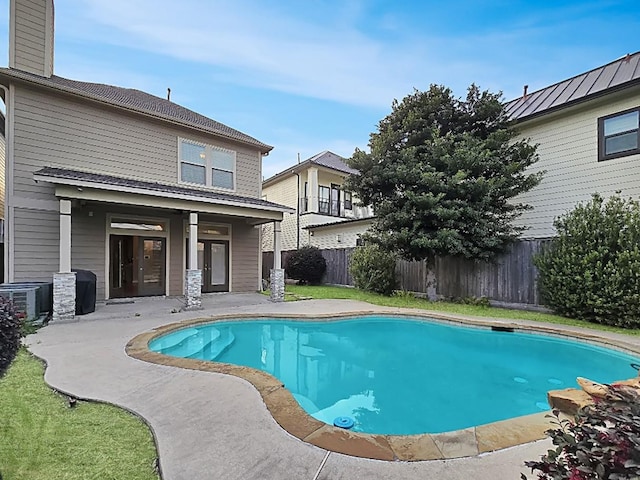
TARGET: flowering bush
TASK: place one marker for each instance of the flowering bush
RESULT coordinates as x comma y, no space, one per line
602,443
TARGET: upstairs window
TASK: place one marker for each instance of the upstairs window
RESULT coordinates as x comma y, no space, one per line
619,135
323,200
348,203
207,165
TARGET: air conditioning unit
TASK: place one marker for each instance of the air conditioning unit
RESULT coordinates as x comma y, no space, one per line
25,300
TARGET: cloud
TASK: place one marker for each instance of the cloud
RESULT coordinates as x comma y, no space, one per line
255,46
344,52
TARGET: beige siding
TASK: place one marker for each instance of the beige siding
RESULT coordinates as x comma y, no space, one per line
283,192
61,132
2,172
348,233
88,248
33,35
36,244
177,254
568,149
245,250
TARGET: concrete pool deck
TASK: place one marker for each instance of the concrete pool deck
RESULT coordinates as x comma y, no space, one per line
210,425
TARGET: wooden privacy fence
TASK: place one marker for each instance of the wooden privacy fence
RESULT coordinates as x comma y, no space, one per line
509,278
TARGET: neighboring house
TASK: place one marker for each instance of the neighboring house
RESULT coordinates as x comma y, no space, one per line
155,199
339,234
314,188
588,135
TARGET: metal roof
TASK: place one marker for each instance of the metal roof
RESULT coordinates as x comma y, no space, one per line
619,74
325,159
138,101
99,179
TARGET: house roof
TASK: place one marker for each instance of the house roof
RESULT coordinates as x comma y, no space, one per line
325,159
87,179
137,101
617,75
338,223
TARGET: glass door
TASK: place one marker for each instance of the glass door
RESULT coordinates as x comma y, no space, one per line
213,262
335,200
121,267
151,266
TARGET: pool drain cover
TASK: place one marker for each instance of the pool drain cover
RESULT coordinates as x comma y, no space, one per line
344,422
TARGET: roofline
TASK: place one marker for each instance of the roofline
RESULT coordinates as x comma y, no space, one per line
297,168
154,193
334,224
606,91
578,101
17,75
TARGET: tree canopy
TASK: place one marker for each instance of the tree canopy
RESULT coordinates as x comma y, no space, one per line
440,175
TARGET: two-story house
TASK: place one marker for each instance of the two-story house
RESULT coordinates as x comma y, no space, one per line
155,199
588,133
326,215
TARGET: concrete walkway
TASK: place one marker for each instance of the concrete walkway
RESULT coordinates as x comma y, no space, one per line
214,426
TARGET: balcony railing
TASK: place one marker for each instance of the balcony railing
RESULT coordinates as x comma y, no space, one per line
334,208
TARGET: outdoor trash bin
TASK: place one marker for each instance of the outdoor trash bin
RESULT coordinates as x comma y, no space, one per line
85,292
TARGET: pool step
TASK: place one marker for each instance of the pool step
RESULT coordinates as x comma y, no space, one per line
224,341
170,341
192,343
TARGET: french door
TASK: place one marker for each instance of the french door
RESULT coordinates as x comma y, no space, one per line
137,266
213,262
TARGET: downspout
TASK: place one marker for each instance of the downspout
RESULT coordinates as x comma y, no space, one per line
298,214
8,273
297,174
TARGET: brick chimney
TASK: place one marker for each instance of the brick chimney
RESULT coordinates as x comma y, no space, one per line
31,36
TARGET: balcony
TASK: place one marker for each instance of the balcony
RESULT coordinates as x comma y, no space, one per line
336,209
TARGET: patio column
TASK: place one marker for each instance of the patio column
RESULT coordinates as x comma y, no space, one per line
64,282
193,276
312,190
277,273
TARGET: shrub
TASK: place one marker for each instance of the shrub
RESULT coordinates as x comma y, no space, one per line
373,269
590,270
307,265
10,333
603,442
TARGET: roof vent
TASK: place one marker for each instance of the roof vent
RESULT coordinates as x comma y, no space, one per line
524,92
169,94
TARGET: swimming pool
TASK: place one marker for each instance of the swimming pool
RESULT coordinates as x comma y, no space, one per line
401,375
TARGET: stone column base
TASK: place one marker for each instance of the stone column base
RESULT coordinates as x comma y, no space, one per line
193,290
64,297
277,285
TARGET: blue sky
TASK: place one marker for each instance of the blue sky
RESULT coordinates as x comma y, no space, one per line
307,76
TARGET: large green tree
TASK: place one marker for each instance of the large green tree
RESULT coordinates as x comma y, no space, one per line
441,175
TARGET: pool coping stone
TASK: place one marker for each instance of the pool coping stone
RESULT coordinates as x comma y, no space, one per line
291,417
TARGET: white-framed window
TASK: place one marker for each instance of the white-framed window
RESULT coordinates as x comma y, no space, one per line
207,165
348,202
619,134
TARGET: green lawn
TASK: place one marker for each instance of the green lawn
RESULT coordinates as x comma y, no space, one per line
41,438
406,301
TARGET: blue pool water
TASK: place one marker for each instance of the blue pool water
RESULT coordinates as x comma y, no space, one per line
402,376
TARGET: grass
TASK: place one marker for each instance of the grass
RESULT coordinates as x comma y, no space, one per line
408,301
42,438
